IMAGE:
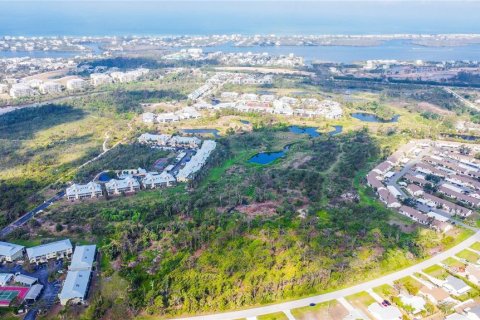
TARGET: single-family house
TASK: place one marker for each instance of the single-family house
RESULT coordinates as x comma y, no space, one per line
414,214
435,294
473,313
473,273
414,190
417,303
380,312
456,286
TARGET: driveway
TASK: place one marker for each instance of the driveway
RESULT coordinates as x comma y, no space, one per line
340,293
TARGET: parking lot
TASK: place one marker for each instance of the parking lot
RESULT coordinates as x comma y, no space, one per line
42,273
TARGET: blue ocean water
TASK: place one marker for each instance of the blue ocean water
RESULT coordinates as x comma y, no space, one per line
90,18
56,18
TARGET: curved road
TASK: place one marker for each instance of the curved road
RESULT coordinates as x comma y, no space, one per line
285,306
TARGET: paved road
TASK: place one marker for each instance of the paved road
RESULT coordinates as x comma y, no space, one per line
462,99
340,293
29,215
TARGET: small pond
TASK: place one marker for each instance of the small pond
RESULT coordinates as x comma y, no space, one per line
336,130
311,131
268,157
369,117
245,121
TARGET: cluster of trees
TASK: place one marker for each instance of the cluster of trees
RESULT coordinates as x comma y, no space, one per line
188,250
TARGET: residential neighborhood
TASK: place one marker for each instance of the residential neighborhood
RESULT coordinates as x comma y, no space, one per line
429,181
192,155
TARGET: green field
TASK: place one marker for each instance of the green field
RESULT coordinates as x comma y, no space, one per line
452,262
436,271
385,291
476,246
273,316
468,255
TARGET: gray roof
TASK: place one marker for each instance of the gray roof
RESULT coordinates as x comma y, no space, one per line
83,257
456,283
9,249
24,279
475,310
75,285
34,291
47,248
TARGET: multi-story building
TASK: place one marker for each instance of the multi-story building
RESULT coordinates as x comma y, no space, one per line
127,185
84,191
54,250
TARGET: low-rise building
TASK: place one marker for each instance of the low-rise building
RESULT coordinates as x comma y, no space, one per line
154,180
197,161
75,287
417,303
5,279
54,250
10,252
414,190
414,214
83,191
380,312
76,84
455,286
99,79
50,87
25,280
127,185
83,258
21,91
34,292
3,88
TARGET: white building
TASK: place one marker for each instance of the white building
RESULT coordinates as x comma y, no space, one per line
83,258
10,251
3,88
417,303
50,87
25,280
148,117
83,191
76,84
5,279
158,139
455,286
380,312
75,287
197,161
54,250
21,91
127,185
155,180
99,79
184,142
